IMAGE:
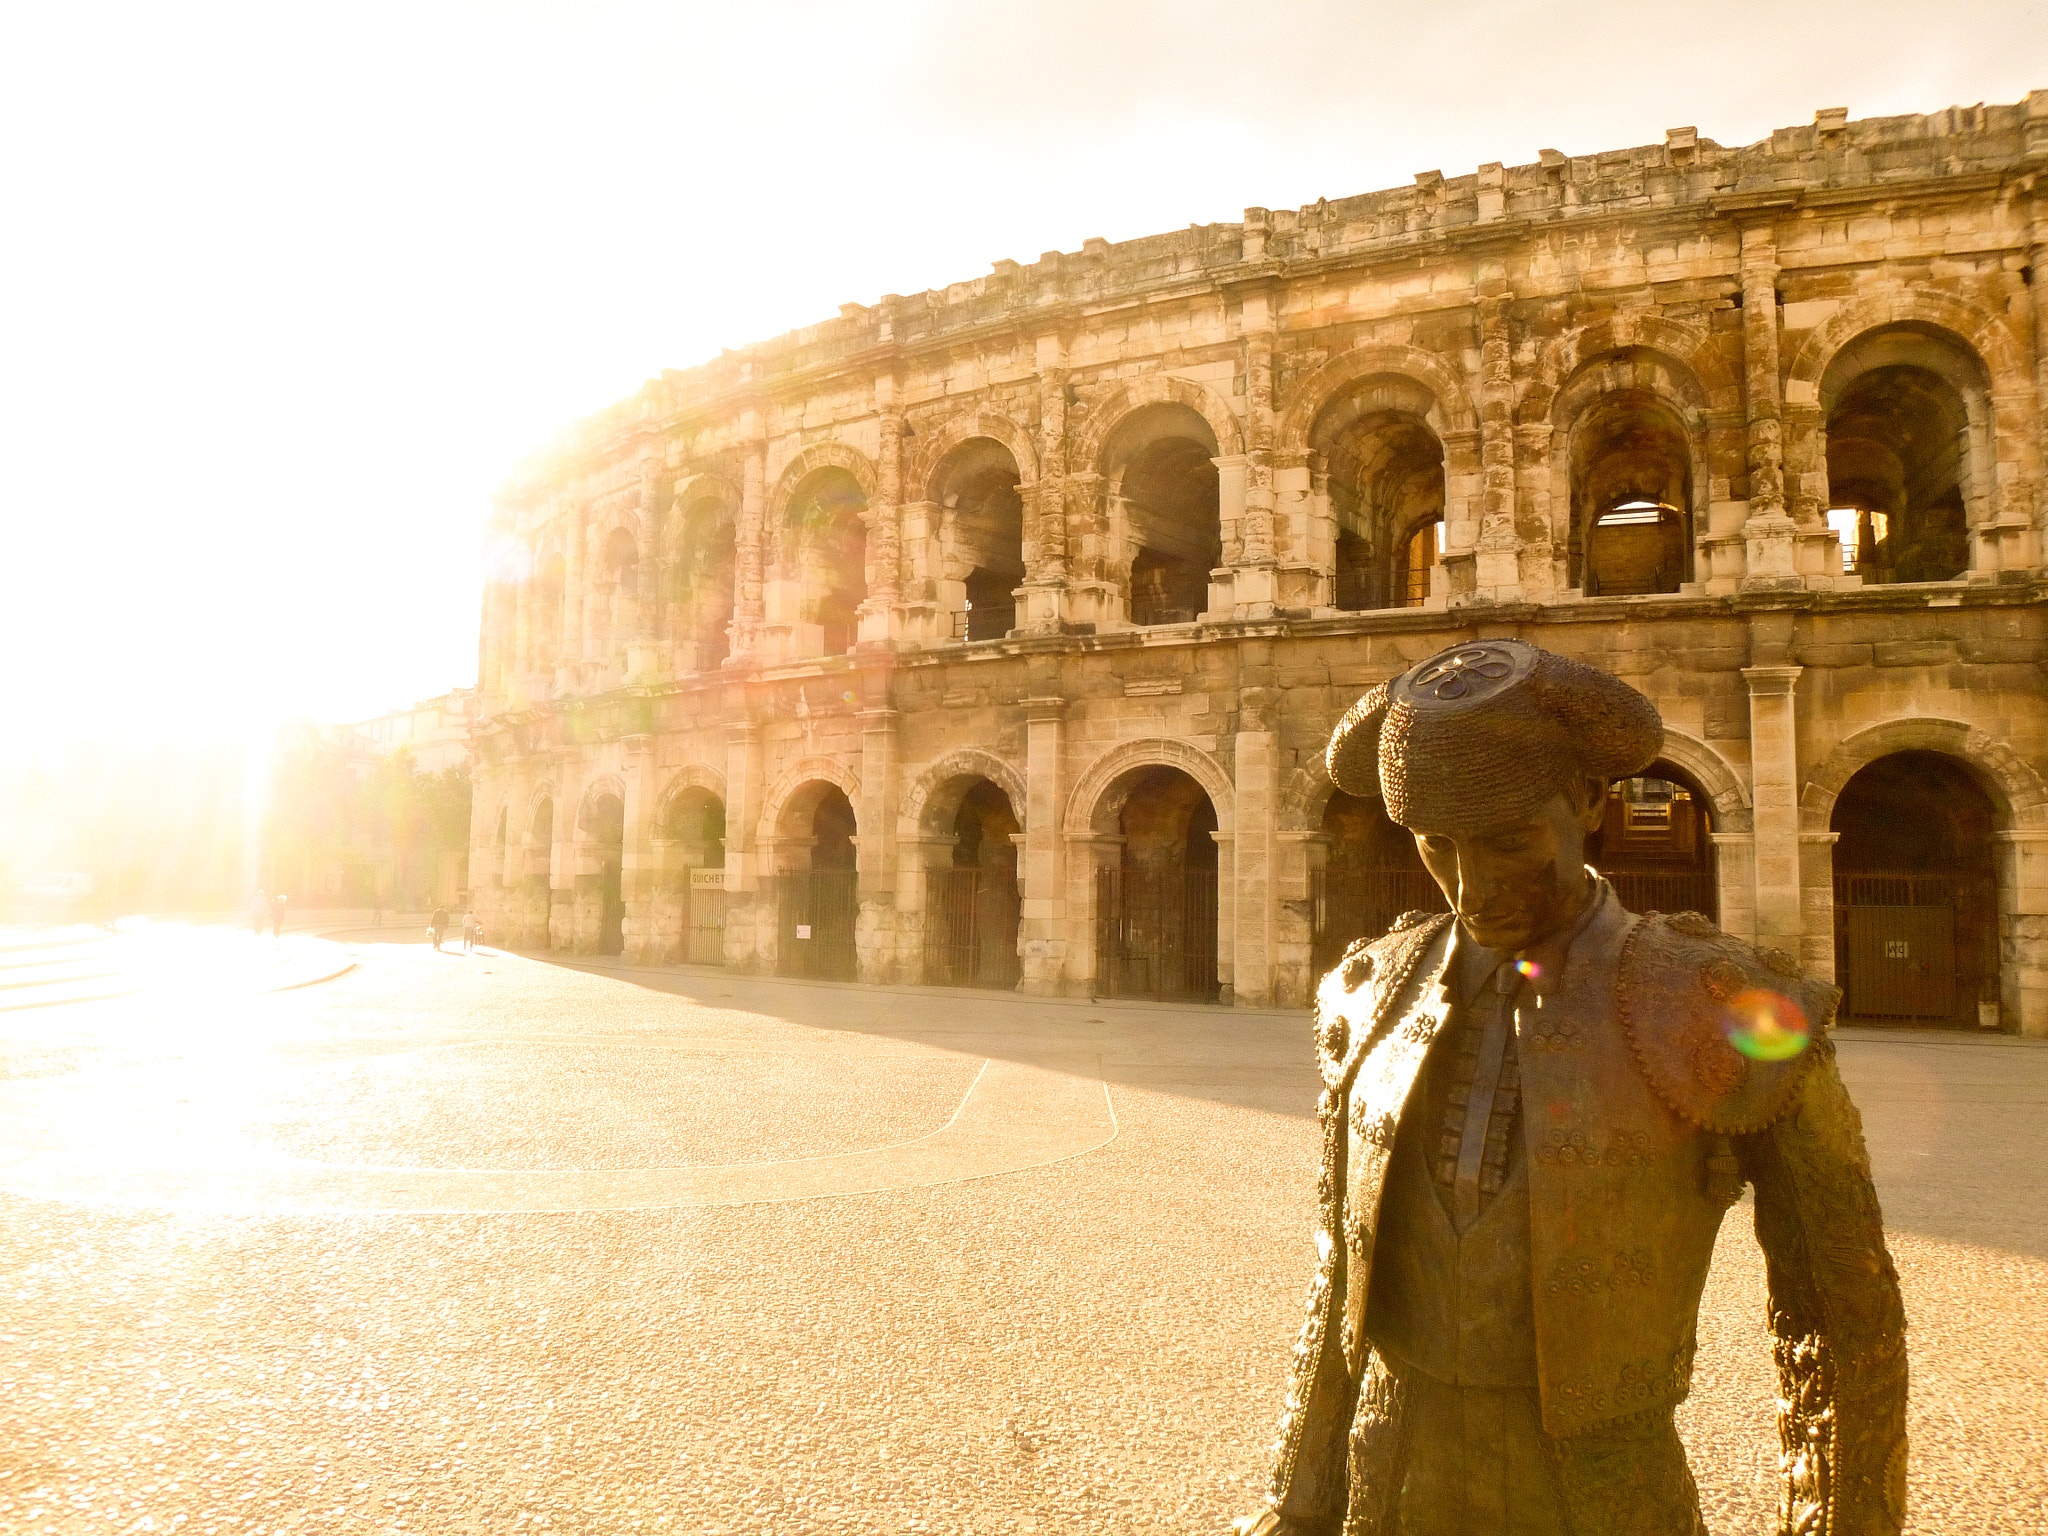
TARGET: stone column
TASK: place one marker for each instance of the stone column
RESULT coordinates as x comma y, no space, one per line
1226,907
1769,558
1042,596
561,856
2023,926
884,576
1817,903
1254,905
749,540
1250,589
2037,257
638,871
875,856
1503,552
749,935
1735,877
1774,794
1045,939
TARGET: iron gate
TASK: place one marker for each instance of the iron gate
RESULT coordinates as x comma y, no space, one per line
816,911
1657,890
1155,934
965,942
704,920
1895,945
1352,904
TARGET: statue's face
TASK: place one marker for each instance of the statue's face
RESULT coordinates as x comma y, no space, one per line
1512,883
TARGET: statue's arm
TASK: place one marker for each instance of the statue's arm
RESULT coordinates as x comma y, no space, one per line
1837,1324
1309,1487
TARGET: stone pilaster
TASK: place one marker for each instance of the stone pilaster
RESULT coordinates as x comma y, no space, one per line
1817,903
750,919
884,575
1770,561
749,540
2023,928
1044,927
1503,554
1042,596
875,856
1774,793
637,866
1253,904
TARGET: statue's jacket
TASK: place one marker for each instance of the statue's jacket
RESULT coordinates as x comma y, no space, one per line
1641,1123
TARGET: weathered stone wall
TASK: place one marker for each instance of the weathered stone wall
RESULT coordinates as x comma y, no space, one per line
1517,350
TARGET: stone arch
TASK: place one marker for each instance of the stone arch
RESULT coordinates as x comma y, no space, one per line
2017,791
691,489
1304,793
804,771
1088,806
1688,349
595,790
1155,389
1307,396
692,776
935,796
1975,327
826,455
933,446
1724,789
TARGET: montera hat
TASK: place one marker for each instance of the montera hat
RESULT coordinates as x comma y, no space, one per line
1485,732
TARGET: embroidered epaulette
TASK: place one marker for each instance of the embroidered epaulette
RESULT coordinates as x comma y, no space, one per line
1358,986
1722,1030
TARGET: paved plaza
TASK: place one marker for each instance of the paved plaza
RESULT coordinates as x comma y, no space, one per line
482,1243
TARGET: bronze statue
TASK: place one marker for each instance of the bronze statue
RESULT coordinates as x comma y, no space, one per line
1534,1118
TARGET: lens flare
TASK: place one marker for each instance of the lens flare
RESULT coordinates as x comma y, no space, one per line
1529,968
1765,1026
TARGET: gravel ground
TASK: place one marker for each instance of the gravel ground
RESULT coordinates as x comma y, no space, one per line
1093,1346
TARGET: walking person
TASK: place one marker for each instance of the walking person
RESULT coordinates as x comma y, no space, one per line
437,925
277,903
470,929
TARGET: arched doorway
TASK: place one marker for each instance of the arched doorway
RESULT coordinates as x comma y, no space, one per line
971,908
1155,912
1163,477
1656,845
818,891
703,590
1371,874
1632,488
601,902
695,829
981,537
1916,893
1386,480
827,547
1898,471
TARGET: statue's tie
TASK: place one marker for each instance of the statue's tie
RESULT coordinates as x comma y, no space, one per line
1495,1007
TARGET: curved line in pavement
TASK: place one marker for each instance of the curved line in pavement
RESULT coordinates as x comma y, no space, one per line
1015,1116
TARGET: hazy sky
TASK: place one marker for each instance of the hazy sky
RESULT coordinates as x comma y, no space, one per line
290,287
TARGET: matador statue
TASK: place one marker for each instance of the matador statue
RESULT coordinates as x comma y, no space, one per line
1536,1110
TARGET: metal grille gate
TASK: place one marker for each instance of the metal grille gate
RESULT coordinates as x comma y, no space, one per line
963,947
1155,934
1352,904
1895,944
1653,890
816,910
704,921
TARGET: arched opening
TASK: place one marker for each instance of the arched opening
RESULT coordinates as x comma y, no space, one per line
1386,478
1916,893
601,903
817,891
1655,845
694,825
620,567
1164,477
1631,482
829,546
1371,874
1898,445
981,535
704,585
541,840
971,906
1156,910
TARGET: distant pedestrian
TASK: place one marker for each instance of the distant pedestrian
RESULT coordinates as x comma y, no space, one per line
470,929
259,914
437,925
277,914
